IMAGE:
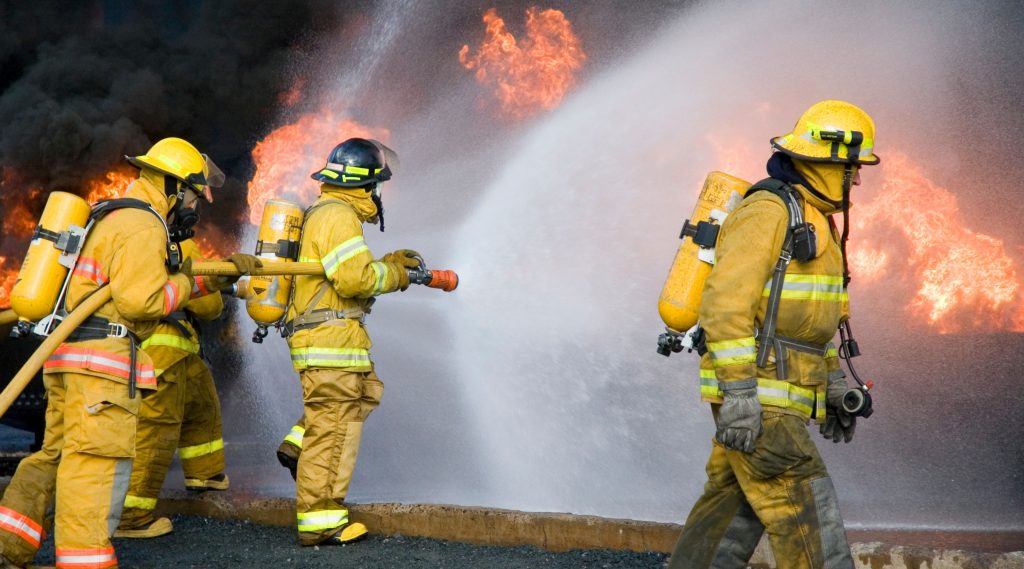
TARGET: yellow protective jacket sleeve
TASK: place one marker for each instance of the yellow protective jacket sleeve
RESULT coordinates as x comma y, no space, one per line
735,298
127,251
333,236
168,345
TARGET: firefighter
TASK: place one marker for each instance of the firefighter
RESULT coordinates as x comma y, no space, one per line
330,347
764,472
183,412
93,378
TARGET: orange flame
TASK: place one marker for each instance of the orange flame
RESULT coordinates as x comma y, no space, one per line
20,222
112,185
286,157
7,277
964,279
532,75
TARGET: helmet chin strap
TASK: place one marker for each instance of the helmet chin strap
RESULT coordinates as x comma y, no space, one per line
375,196
847,185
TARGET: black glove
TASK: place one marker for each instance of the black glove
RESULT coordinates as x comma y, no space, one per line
739,419
838,425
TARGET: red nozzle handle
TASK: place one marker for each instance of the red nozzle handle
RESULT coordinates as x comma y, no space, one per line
444,280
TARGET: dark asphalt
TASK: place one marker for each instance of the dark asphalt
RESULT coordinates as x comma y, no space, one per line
204,543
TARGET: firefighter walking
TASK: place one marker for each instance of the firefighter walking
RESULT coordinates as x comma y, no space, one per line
330,347
770,308
91,379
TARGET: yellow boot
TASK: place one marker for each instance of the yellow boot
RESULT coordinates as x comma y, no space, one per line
156,528
349,533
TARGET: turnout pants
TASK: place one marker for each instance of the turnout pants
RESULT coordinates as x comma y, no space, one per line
335,404
782,488
85,461
184,414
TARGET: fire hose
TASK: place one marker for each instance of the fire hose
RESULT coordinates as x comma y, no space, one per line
8,317
448,281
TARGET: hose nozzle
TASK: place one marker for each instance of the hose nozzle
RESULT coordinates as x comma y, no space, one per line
446,280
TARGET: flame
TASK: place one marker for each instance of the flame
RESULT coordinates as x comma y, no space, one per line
111,185
531,75
20,222
7,277
209,247
963,279
285,158
913,240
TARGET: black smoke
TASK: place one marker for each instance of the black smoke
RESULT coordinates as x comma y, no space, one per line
82,84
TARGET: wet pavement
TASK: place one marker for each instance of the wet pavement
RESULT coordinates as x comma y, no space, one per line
205,543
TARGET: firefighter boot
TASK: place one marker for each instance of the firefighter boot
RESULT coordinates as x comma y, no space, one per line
155,528
288,456
215,482
349,533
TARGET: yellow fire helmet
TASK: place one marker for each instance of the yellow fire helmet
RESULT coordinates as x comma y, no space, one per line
177,158
831,131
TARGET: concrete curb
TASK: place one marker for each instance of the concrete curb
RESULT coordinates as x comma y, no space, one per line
556,532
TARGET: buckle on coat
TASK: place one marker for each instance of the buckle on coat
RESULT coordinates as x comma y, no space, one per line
115,330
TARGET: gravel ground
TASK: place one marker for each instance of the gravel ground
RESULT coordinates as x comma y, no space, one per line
204,543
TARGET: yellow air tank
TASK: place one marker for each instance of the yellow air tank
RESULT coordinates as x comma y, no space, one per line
52,252
278,242
680,297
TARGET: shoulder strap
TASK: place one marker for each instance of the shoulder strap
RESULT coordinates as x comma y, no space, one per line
789,198
102,208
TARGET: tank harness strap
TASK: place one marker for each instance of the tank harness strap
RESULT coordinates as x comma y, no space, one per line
98,328
313,316
177,319
766,335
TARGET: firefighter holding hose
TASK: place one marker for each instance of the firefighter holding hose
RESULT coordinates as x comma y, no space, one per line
330,347
183,413
93,380
769,311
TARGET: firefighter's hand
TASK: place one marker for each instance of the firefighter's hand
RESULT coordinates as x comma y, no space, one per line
838,425
245,264
405,257
186,269
739,419
403,277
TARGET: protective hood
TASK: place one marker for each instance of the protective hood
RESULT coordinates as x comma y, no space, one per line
147,190
360,200
827,179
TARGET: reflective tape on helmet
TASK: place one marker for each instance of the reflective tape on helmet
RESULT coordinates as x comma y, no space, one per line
21,525
139,502
71,356
303,358
171,341
320,520
329,173
810,287
381,271
203,449
732,352
86,558
295,435
347,250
